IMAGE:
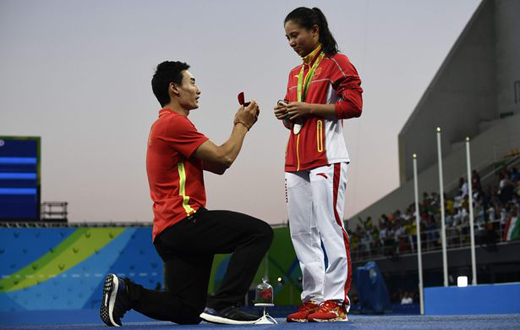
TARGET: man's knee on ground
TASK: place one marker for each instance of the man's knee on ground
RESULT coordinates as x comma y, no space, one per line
189,316
186,321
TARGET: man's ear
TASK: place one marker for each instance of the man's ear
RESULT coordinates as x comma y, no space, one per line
173,88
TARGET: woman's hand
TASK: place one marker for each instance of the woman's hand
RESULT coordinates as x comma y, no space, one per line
280,110
298,109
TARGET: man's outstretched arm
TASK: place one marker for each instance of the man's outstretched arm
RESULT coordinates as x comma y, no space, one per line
218,159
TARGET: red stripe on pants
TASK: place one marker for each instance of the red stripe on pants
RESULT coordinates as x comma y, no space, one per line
339,221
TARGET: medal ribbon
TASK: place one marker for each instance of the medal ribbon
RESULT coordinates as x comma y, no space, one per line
303,83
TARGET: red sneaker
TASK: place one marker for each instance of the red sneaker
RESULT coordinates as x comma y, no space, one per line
303,312
329,311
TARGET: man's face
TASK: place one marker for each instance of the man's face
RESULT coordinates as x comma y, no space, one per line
189,93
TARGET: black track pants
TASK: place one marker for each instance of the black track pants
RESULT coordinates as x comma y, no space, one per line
187,249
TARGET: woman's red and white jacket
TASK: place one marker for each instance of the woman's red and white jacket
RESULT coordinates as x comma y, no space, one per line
321,141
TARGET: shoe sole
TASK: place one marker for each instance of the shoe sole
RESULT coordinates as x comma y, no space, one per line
330,320
107,304
297,320
222,320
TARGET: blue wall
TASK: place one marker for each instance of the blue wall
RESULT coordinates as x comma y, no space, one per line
472,300
29,279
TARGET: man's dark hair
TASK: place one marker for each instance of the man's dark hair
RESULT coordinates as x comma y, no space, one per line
307,18
167,72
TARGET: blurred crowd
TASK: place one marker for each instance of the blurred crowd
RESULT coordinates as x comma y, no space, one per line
396,233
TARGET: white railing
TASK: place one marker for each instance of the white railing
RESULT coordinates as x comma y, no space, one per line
456,237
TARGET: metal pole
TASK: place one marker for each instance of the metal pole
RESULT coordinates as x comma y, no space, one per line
266,268
418,233
471,216
443,221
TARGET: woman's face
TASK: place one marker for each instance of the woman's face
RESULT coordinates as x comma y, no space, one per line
302,40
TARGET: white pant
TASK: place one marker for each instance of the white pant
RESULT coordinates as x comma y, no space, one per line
315,201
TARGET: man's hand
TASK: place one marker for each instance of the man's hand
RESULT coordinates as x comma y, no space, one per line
219,158
247,116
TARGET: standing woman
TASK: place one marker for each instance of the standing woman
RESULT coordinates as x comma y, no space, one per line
321,92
